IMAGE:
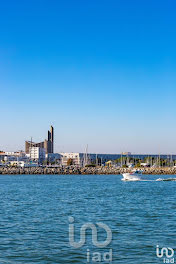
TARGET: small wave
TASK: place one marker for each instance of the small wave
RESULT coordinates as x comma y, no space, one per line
139,180
145,180
168,179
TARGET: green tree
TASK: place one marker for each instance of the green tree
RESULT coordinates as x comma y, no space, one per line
138,165
69,162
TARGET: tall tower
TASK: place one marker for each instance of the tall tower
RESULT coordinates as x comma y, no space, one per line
49,135
52,139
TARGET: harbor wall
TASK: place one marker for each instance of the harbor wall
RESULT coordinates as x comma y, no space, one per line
84,171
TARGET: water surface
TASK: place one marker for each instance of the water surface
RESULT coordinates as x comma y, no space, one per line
34,211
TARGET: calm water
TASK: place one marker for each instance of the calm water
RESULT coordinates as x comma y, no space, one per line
34,213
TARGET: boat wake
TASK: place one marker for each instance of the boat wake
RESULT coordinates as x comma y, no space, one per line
144,180
168,179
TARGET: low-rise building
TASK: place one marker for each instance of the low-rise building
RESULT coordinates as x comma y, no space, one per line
53,157
13,156
17,163
70,159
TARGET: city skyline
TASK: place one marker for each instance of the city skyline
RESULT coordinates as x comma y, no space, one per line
102,73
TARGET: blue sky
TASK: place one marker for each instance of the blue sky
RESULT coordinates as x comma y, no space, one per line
102,72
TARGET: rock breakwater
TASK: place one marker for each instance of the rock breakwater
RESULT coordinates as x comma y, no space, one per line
84,171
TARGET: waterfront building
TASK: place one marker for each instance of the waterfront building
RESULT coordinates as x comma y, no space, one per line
14,153
13,156
2,155
47,144
37,154
53,157
17,163
71,158
126,153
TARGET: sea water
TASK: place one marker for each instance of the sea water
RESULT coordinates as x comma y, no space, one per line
35,212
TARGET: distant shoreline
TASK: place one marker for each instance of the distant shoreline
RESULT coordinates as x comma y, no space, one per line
83,171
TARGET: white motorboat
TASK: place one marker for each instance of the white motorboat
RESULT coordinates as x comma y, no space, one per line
135,175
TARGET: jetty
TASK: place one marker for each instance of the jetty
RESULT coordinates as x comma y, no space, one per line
84,171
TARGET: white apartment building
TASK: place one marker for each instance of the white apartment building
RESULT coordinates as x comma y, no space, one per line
37,154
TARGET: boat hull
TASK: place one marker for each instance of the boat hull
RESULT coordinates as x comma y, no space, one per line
131,177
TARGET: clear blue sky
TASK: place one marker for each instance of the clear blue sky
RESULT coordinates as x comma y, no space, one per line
102,72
